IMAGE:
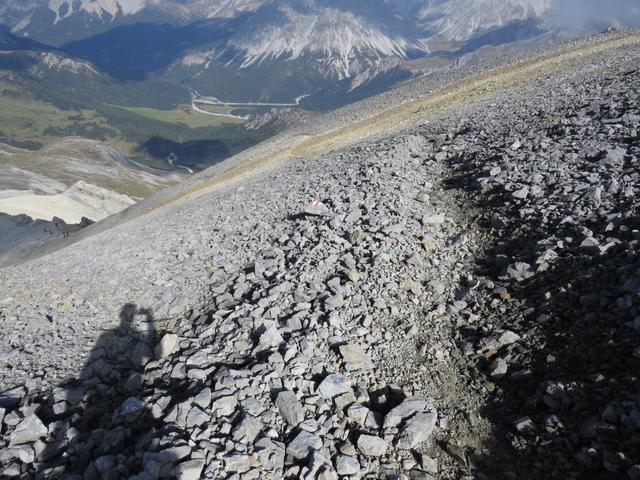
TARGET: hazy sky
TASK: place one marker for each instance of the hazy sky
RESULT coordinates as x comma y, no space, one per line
578,13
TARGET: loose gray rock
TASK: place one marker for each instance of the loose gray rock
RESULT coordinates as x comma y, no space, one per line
28,431
346,465
355,357
224,406
408,407
302,445
290,408
189,470
334,385
372,446
167,345
498,368
11,398
237,463
416,430
520,271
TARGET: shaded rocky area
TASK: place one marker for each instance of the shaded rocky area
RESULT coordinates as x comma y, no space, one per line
458,301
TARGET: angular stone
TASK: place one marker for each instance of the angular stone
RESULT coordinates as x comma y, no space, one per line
300,447
28,431
422,197
372,446
520,271
347,465
416,430
271,337
355,357
437,219
24,453
634,472
197,417
248,429
203,398
132,406
270,454
498,368
358,413
335,301
524,425
334,384
408,407
189,470
237,463
224,406
507,338
411,286
173,454
167,345
11,398
521,193
290,408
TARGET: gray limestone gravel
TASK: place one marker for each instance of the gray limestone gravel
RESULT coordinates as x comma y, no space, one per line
343,316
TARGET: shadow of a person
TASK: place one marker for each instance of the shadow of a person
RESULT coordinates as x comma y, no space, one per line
102,413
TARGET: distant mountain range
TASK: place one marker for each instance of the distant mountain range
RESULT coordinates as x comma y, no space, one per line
327,51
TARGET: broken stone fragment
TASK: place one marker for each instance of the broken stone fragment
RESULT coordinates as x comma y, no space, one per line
372,446
11,398
248,429
408,407
521,193
347,465
520,271
422,197
270,454
411,286
237,462
303,444
290,408
132,406
416,430
224,406
167,345
507,338
355,357
271,337
28,431
524,425
433,220
333,385
498,368
189,470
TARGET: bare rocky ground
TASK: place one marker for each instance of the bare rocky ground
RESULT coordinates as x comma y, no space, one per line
457,301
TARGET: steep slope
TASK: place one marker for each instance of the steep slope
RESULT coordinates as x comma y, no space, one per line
436,298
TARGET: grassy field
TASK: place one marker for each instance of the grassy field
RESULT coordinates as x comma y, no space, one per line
221,109
27,121
148,135
183,115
